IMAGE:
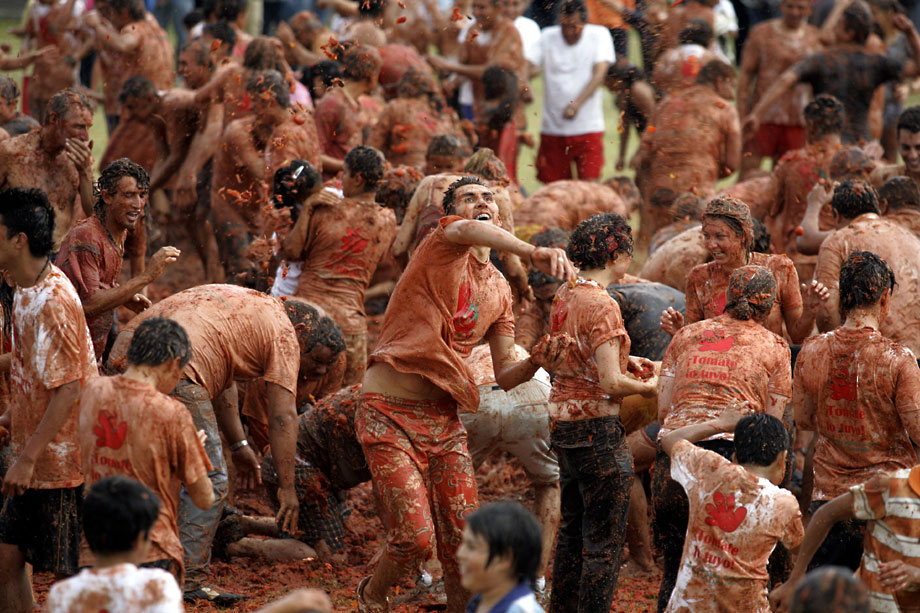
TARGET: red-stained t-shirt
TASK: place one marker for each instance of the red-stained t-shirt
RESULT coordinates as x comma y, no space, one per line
122,587
128,428
736,519
345,242
860,392
92,262
337,123
585,311
718,361
707,284
51,348
444,304
235,333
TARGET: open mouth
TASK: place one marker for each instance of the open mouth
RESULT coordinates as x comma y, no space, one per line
483,217
132,217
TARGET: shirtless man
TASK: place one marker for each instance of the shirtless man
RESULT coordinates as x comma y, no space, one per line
130,42
57,159
404,388
303,36
909,146
696,142
564,204
367,26
254,147
140,129
846,71
341,245
771,48
796,174
677,68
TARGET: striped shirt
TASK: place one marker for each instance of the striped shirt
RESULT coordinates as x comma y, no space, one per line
893,510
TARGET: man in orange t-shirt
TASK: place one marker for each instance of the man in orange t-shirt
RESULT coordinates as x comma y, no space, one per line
448,300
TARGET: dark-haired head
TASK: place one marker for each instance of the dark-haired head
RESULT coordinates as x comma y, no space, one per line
735,214
222,31
696,32
116,511
899,193
857,21
910,120
449,202
368,164
136,87
824,115
65,104
231,10
761,242
396,188
854,198
574,8
864,279
159,340
751,293
760,439
111,176
327,72
293,183
714,71
551,237
262,54
688,206
830,589
599,240
312,329
487,165
28,212
9,91
851,164
361,63
269,85
511,531
371,8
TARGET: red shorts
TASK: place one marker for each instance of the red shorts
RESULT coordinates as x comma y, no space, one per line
773,140
556,154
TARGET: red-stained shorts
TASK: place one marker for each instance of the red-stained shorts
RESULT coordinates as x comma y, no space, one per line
773,140
556,154
422,472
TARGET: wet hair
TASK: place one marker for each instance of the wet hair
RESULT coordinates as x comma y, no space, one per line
449,196
270,82
136,87
157,341
824,115
500,84
510,530
209,9
222,31
111,175
20,125
696,32
316,330
687,206
446,145
64,101
368,163
598,240
27,210
396,188
910,120
329,71
569,8
416,84
900,193
625,73
261,54
850,163
759,439
9,91
288,191
7,292
751,293
136,8
230,10
854,198
762,238
371,8
192,18
487,165
864,277
115,511
857,19
830,589
536,279
199,53
551,237
359,62
714,70
736,214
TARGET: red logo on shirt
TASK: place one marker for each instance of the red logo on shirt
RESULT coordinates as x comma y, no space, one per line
716,342
718,303
467,313
690,67
109,434
559,318
843,385
723,513
353,245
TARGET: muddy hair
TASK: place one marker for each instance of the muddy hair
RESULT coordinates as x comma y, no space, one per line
450,195
696,32
824,115
751,293
9,91
272,83
115,511
598,240
713,71
446,145
222,31
111,175
510,530
159,340
288,192
762,238
487,165
371,8
830,589
857,19
230,10
864,277
360,62
736,214
316,330
136,87
368,163
261,54
416,84
28,211
900,193
136,8
396,189
854,198
21,125
759,439
199,53
910,120
850,163
330,71
573,7
688,206
625,73
64,101
551,237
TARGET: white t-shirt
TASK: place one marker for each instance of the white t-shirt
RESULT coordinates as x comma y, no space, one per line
118,588
530,38
465,95
566,71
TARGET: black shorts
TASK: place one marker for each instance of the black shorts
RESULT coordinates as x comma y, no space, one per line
45,525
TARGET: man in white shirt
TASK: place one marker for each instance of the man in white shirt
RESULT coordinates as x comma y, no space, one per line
574,57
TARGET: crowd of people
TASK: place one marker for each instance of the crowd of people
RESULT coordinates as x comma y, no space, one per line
708,371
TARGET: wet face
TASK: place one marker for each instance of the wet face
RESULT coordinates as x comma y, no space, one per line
437,164
795,12
194,73
513,8
125,206
909,145
723,244
477,574
572,27
476,202
75,123
486,14
316,362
